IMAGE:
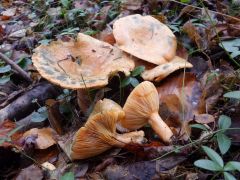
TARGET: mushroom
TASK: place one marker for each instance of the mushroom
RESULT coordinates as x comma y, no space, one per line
142,107
98,135
86,63
160,72
151,41
146,38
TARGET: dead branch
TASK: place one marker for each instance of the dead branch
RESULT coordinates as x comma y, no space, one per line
23,105
16,67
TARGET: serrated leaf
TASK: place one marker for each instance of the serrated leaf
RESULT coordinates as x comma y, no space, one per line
224,142
228,176
38,117
5,69
208,165
134,82
232,166
125,82
199,126
214,156
224,122
138,70
67,176
232,94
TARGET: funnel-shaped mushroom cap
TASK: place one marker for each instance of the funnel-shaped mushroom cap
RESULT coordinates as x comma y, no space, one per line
140,104
82,64
97,136
146,38
160,72
108,105
142,107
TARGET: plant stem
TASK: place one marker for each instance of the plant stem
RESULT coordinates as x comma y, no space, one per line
16,67
195,142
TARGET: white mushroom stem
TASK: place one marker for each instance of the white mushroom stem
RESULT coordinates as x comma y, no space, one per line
131,137
160,127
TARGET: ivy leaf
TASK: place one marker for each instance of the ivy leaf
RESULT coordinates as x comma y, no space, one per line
233,94
5,69
125,82
137,71
228,176
213,155
67,176
231,46
38,117
232,166
224,142
224,122
66,3
208,165
199,126
4,80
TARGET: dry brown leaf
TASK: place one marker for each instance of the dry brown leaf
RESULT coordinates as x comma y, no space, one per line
146,38
44,137
83,64
7,127
32,172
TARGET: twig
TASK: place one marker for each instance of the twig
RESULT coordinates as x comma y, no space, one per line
215,12
15,67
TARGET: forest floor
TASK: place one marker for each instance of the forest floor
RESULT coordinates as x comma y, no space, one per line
40,112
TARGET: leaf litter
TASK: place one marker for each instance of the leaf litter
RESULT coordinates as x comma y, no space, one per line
96,51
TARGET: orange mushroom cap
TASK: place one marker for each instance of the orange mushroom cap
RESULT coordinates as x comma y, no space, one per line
146,38
83,64
142,107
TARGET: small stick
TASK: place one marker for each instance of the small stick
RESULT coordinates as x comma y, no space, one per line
15,67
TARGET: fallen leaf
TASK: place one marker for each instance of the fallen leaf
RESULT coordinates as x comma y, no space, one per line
143,169
44,137
8,134
9,12
131,4
30,173
48,166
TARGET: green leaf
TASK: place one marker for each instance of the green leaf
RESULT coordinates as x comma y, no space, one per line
214,156
137,71
42,109
228,176
185,1
5,69
231,46
224,142
24,62
66,3
233,94
38,117
4,80
199,126
125,82
232,166
67,176
208,165
224,122
134,82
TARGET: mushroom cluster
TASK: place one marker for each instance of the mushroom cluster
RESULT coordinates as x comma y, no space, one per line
99,133
88,63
